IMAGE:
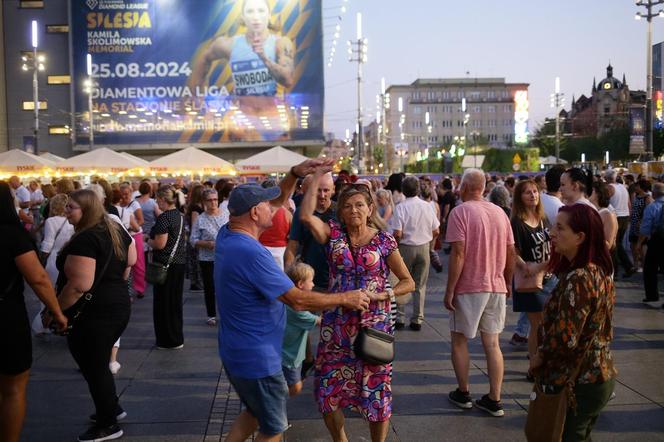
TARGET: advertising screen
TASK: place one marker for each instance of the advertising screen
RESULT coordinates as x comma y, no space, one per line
198,71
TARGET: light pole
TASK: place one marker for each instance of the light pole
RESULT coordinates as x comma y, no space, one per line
649,4
427,121
466,120
89,84
358,53
384,104
557,102
35,63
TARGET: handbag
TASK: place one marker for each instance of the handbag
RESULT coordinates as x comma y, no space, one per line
374,347
156,272
74,312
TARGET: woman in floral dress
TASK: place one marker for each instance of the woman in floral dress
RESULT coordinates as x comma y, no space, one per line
576,330
360,255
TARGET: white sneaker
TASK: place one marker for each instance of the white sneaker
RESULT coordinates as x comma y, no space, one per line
639,270
114,367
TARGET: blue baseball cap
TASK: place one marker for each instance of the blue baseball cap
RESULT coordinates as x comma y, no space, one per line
246,196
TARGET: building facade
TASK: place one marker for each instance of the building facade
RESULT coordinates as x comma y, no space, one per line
427,114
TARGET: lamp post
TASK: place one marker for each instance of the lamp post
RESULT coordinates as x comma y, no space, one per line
89,84
358,53
35,63
557,102
427,121
649,15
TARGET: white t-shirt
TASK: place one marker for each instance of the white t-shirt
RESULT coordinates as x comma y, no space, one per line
416,220
22,195
125,213
620,199
551,205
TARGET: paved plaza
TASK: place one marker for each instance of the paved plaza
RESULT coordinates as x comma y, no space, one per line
184,395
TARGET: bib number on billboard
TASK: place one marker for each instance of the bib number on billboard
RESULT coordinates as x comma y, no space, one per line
135,70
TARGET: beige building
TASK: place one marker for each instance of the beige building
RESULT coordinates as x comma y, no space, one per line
496,112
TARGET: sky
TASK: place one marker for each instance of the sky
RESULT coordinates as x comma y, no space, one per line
530,41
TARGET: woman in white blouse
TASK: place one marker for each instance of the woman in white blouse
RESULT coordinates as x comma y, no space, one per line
203,237
57,232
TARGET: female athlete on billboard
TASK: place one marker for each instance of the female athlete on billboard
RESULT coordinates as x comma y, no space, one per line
258,60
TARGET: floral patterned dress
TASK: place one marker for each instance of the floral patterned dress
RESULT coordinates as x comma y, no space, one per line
577,330
342,379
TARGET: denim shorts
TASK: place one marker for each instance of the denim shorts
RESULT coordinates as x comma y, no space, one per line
265,399
292,375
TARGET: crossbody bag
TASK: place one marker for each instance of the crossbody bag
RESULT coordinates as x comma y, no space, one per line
156,272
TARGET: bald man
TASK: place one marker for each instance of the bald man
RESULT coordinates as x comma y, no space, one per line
479,280
300,240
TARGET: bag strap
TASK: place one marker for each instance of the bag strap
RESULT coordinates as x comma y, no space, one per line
59,230
177,242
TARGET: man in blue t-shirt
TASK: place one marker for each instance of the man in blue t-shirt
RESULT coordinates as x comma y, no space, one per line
302,242
251,292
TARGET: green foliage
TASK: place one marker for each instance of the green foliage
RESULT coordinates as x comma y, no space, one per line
501,160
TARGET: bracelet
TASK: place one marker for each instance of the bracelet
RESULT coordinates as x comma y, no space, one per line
292,172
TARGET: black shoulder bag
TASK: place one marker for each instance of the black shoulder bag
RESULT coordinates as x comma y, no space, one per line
156,272
373,346
74,312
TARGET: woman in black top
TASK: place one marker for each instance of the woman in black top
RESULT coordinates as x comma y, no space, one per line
167,239
533,246
194,209
97,259
18,258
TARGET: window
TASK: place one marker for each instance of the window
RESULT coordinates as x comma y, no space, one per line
507,108
491,109
57,29
30,105
477,123
607,110
506,94
491,123
31,4
59,79
477,109
446,95
58,130
417,110
491,94
474,95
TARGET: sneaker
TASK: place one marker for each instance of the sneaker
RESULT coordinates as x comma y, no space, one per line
639,270
140,295
177,347
99,434
435,262
212,321
415,327
494,408
120,416
399,325
195,288
613,396
518,341
114,367
306,367
461,399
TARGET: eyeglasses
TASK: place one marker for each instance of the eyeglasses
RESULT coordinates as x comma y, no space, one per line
211,199
71,207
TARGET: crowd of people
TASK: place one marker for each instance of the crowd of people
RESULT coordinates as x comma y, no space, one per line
274,260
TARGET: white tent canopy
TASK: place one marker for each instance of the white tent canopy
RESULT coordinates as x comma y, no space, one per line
275,160
191,161
51,157
19,162
138,162
551,160
98,161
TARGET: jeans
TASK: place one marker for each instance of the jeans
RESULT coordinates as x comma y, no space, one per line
522,325
623,257
652,263
90,343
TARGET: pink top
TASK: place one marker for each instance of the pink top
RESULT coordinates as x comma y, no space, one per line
486,232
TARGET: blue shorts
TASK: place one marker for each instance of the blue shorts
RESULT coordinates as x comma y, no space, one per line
292,375
265,399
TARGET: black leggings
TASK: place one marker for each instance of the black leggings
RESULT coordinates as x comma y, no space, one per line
167,308
90,343
207,271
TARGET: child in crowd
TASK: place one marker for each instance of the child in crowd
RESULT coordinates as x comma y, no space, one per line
298,325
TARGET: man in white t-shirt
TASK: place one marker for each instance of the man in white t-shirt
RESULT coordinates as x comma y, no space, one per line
21,192
415,225
621,203
551,199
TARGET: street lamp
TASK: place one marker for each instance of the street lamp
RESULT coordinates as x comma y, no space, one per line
35,63
427,121
649,15
358,53
557,102
89,88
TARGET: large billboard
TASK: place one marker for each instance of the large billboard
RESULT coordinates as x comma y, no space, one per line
198,71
